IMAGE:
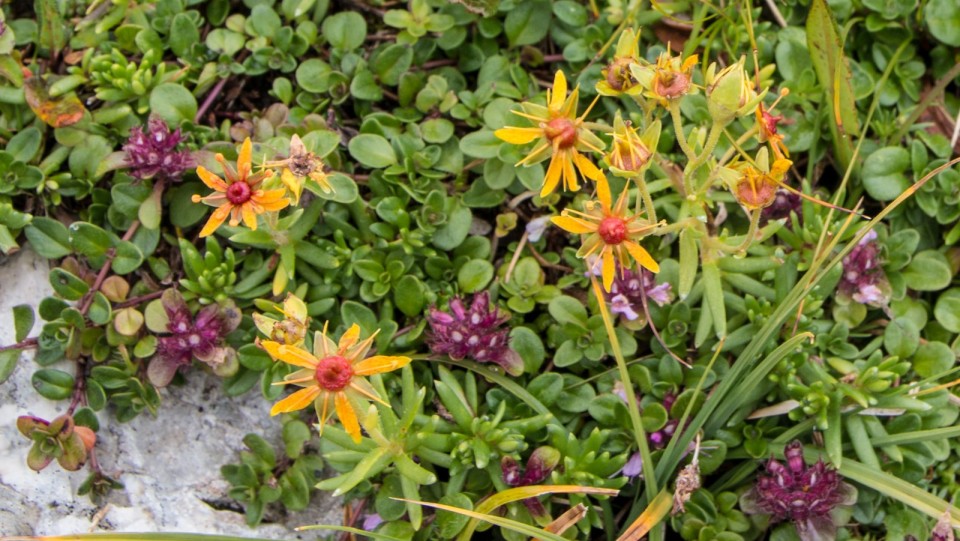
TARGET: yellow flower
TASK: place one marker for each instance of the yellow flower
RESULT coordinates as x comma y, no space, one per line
668,79
617,78
332,378
611,231
300,166
292,329
756,187
562,136
239,196
631,153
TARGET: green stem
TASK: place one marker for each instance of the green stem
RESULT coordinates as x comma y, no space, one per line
712,139
639,433
678,127
751,232
647,200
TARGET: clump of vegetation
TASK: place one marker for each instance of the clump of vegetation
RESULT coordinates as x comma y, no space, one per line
560,269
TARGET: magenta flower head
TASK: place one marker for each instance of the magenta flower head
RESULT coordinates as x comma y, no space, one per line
863,278
473,333
806,495
153,154
190,337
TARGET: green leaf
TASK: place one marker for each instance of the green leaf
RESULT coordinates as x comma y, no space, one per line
943,18
183,34
933,359
567,310
833,72
391,63
883,173
345,30
265,21
408,295
23,319
67,285
372,150
455,231
450,524
529,346
528,22
475,275
311,75
173,103
901,338
49,238
295,435
480,144
354,312
128,258
436,130
53,384
929,271
947,310
8,362
90,240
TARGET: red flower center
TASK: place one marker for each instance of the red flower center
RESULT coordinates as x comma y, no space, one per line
334,373
239,193
561,131
612,230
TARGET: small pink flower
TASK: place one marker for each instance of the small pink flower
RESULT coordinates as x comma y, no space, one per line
539,466
626,294
863,278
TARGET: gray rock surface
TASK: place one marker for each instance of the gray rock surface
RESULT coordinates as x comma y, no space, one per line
169,465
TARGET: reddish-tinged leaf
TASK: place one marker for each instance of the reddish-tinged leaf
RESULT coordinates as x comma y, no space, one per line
56,112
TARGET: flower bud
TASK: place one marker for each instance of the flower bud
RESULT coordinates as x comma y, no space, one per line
541,462
88,436
511,471
730,93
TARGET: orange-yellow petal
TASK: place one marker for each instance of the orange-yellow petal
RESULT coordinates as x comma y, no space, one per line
245,159
559,92
587,168
323,412
295,356
552,178
363,387
603,192
296,401
348,417
348,339
518,136
609,269
212,181
379,364
216,220
569,174
642,256
249,216
574,225
780,168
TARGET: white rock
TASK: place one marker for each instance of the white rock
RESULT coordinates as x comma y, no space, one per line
169,465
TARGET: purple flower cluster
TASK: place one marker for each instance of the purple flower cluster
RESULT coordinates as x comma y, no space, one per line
190,337
153,153
803,494
863,278
629,287
473,333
